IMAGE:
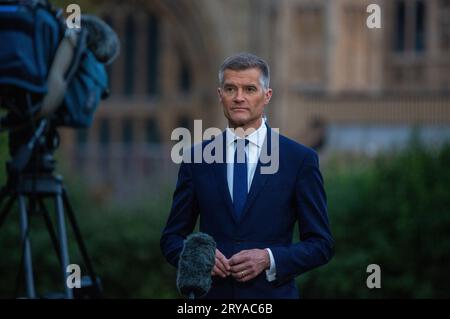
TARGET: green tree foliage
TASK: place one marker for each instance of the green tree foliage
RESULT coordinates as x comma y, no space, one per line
395,213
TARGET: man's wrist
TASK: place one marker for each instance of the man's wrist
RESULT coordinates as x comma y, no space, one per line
266,259
271,271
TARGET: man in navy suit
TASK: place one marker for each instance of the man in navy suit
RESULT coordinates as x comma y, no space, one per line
251,213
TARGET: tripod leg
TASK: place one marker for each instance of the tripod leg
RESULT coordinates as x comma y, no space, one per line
50,229
28,267
81,245
63,242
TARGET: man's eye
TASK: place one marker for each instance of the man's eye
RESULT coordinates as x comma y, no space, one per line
251,89
229,89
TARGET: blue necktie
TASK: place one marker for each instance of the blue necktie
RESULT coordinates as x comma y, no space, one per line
240,185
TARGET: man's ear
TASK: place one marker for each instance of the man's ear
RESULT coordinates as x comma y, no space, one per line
219,93
268,95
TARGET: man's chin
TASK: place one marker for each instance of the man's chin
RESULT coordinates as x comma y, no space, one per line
239,122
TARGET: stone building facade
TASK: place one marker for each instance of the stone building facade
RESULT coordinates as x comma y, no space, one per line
338,85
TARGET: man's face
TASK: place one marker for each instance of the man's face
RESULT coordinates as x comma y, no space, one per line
243,98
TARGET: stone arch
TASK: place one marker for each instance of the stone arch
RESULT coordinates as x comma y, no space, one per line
202,28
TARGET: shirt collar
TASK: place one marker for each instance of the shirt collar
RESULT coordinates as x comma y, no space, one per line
256,138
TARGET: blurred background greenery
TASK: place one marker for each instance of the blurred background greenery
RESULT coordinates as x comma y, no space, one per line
393,210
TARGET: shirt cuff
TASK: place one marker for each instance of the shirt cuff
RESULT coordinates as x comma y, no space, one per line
271,273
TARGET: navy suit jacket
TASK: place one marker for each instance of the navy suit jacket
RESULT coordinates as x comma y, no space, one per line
275,204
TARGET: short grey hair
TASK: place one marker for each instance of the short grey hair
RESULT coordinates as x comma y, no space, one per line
245,61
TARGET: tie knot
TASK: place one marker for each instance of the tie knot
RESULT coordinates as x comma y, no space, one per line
240,153
240,141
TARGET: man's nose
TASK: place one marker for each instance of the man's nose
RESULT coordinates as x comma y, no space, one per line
239,97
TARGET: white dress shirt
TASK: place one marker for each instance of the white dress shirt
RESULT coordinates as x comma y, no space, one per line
252,151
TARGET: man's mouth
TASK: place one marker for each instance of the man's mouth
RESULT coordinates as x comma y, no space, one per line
239,109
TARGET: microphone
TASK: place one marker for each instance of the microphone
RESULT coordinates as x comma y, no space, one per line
196,262
101,39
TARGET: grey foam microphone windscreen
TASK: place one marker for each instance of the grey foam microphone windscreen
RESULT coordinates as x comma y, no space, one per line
101,39
196,262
